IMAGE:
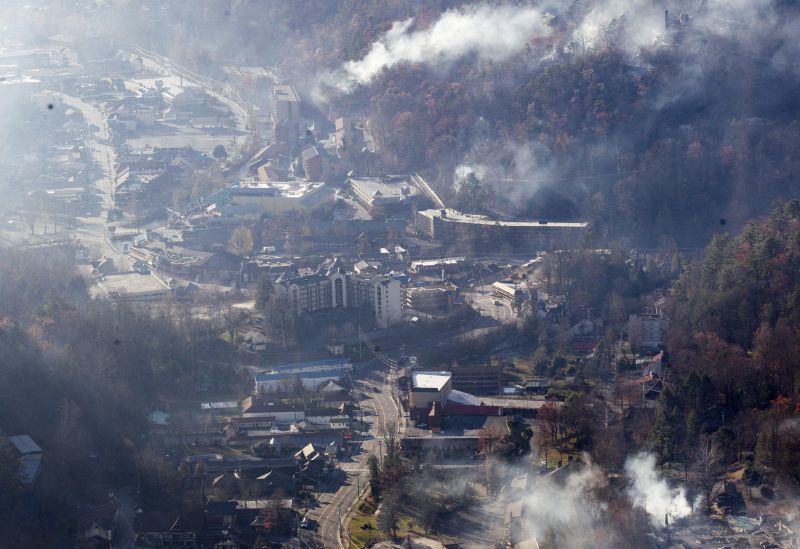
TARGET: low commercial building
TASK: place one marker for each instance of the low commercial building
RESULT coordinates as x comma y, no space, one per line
480,233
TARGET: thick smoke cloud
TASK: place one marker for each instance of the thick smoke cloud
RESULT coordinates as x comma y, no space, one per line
567,505
652,492
493,33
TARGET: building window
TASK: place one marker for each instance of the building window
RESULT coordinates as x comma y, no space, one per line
339,291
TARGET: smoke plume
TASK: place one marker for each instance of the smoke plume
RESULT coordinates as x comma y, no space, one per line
568,505
493,33
652,492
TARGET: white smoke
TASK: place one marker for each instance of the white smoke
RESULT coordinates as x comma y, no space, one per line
463,170
652,492
493,33
567,504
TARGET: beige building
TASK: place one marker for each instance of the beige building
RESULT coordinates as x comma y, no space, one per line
272,198
339,290
429,387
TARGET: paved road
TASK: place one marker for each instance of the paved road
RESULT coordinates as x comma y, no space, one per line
381,412
92,229
481,300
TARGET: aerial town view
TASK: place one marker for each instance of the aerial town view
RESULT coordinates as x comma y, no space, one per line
462,274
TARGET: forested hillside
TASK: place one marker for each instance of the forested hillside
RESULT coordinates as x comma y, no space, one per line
80,376
734,346
655,134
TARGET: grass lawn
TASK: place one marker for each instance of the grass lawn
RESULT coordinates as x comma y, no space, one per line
363,530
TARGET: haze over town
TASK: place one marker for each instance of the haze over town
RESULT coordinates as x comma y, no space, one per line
399,274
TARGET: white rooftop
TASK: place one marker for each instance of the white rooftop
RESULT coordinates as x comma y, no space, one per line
430,380
460,217
435,262
387,188
460,397
291,189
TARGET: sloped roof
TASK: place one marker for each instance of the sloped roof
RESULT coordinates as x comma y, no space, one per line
25,444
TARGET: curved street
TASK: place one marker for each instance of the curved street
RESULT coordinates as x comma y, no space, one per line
381,412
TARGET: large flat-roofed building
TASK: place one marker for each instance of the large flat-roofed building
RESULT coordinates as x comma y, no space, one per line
285,103
316,292
284,382
427,388
274,198
387,193
481,233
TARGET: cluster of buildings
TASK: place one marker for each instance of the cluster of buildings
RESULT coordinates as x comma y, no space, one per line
277,446
50,179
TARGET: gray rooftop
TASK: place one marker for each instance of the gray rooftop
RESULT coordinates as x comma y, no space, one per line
25,444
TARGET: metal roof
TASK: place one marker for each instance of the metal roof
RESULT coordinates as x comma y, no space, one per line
25,444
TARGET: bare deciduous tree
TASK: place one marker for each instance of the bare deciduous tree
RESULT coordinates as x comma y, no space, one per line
706,470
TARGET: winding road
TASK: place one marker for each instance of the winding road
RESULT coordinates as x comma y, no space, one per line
381,405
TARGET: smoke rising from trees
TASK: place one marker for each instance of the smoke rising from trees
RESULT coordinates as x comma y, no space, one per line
490,33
